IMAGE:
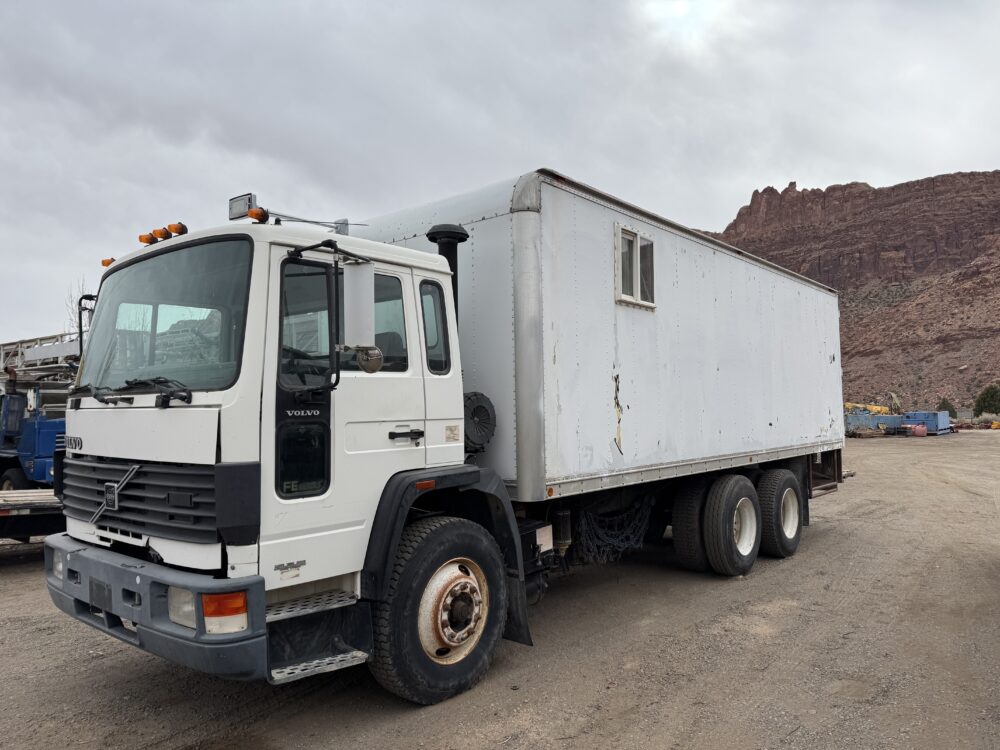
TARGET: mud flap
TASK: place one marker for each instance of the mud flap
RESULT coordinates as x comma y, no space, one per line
517,613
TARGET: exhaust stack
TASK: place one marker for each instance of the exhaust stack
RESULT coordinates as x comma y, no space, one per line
448,237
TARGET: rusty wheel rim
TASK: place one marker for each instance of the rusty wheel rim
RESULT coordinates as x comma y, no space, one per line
454,608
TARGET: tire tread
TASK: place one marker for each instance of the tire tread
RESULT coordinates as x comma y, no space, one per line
715,509
767,495
689,543
381,663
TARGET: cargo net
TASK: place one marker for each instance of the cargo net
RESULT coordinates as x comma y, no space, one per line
605,537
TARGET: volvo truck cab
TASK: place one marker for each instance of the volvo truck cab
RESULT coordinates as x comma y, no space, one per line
266,430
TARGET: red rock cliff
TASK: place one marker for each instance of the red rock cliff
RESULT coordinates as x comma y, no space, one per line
917,265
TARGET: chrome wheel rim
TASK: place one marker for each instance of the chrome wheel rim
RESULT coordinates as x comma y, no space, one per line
453,611
789,513
744,526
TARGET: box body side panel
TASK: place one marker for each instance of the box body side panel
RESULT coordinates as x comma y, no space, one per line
735,359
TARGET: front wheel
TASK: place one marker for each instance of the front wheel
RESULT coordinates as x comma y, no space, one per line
732,525
438,630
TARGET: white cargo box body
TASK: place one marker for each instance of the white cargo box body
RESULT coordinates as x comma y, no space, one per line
737,362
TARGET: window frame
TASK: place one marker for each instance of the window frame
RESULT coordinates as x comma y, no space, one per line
634,300
286,396
347,369
156,252
332,315
443,328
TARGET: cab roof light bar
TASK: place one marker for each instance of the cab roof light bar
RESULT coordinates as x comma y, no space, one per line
243,206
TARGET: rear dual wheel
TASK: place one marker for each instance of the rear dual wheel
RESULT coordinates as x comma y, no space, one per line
689,543
732,525
781,511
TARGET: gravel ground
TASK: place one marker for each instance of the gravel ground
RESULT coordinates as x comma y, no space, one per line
883,631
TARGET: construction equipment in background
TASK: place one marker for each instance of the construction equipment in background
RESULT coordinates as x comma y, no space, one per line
895,405
852,408
860,423
34,387
40,356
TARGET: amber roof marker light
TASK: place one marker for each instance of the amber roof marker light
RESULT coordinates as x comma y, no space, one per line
162,233
148,239
178,228
107,262
258,214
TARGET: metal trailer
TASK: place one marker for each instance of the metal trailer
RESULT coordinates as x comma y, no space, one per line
732,361
936,422
28,513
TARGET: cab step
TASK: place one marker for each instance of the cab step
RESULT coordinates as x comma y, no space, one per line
294,672
307,605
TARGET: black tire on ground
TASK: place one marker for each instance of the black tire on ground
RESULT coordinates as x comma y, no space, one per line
781,513
731,525
689,544
402,661
14,479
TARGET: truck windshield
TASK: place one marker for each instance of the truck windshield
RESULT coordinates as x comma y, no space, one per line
178,315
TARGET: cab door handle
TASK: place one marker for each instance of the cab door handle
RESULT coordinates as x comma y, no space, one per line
412,435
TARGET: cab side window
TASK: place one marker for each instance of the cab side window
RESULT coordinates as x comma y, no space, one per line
435,327
305,338
390,325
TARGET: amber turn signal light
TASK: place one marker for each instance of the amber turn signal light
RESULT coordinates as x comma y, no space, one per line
259,215
107,262
178,228
148,239
162,233
224,605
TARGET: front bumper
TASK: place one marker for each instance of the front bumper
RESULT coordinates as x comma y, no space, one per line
104,588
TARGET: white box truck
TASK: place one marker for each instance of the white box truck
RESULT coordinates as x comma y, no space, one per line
290,451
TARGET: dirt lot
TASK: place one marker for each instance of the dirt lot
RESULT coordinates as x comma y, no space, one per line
884,631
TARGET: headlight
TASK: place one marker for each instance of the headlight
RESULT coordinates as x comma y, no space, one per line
180,606
58,563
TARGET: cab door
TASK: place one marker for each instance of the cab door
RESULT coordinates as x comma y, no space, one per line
333,451
443,396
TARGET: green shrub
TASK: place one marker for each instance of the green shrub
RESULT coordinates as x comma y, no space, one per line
945,405
988,401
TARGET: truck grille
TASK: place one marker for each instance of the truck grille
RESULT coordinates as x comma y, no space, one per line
61,441
143,506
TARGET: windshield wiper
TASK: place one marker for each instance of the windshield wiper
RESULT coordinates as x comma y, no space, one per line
98,394
168,388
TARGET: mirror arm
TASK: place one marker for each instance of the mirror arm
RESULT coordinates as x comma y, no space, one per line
327,246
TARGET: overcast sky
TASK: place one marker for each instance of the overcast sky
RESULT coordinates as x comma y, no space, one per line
119,117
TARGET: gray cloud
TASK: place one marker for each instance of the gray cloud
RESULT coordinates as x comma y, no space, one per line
115,118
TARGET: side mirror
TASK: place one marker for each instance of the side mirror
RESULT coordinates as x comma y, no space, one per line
82,309
359,314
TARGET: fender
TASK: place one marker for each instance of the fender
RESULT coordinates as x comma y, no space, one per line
398,497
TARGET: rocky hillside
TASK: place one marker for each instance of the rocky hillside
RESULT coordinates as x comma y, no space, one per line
918,269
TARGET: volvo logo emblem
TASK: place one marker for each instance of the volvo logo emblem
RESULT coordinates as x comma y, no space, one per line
111,490
110,496
302,412
74,443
